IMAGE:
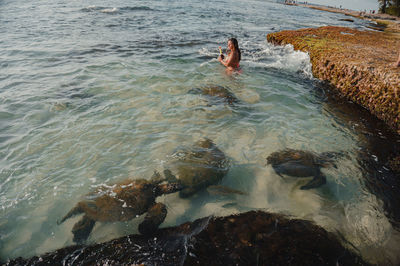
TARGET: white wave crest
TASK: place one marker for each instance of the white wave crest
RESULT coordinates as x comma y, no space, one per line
207,52
109,10
280,57
267,55
94,8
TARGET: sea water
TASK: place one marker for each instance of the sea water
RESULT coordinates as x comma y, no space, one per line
95,92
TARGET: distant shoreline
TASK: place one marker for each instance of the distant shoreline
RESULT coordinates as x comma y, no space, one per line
349,12
389,22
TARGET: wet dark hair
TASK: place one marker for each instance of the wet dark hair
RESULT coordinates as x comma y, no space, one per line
236,45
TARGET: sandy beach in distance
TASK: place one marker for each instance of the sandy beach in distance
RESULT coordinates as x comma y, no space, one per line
358,14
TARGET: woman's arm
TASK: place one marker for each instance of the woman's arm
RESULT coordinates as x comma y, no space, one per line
222,60
230,60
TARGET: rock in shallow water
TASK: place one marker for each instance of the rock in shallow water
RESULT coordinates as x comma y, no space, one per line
218,93
252,238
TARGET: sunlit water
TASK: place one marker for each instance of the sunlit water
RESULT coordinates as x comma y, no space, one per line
93,93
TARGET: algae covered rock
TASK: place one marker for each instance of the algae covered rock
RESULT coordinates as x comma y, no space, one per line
252,238
359,64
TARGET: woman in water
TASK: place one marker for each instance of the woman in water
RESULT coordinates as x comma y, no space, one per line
232,60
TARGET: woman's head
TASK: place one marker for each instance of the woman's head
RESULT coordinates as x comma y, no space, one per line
233,42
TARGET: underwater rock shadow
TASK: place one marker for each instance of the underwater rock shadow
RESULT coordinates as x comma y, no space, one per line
76,99
378,144
217,95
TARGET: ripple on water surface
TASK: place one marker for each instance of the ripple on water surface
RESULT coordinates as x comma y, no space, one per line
93,95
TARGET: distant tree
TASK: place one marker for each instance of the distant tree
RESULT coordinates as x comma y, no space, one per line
382,5
397,5
391,7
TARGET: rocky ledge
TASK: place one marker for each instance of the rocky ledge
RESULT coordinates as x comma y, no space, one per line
252,238
359,65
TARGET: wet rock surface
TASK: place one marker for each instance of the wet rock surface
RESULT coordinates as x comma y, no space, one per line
252,238
380,153
359,65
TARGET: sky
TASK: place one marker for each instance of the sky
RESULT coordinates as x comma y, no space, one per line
350,4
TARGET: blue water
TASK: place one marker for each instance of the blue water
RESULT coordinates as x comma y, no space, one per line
94,92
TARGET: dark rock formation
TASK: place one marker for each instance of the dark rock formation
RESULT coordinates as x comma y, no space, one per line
379,153
394,164
253,238
347,19
360,67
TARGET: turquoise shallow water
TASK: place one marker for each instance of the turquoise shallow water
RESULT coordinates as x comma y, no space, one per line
92,93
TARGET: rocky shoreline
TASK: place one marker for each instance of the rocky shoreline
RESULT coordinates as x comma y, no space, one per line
359,65
252,238
353,13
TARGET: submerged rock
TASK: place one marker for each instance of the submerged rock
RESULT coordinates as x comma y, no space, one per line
71,99
252,238
122,202
197,167
360,65
378,154
299,163
394,163
218,93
